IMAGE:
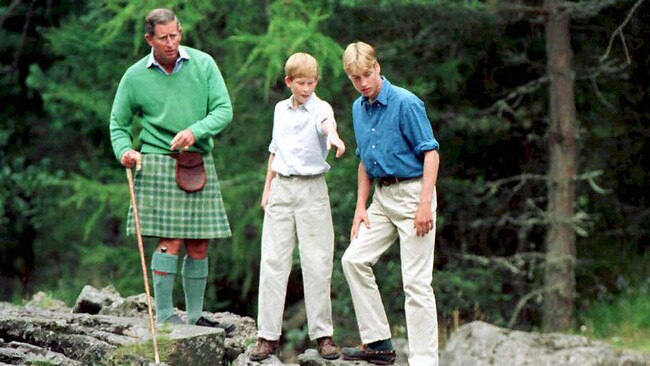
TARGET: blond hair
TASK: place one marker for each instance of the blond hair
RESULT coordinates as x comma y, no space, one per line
301,65
358,58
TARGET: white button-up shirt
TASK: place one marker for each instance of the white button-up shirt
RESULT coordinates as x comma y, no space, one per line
299,142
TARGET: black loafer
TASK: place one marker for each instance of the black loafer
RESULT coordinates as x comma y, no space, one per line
365,353
205,322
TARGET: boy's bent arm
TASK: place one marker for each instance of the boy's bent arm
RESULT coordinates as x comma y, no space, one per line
270,174
423,222
364,184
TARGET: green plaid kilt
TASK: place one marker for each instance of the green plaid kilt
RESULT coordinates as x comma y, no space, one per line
166,211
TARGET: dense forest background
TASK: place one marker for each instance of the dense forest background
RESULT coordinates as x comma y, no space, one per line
479,66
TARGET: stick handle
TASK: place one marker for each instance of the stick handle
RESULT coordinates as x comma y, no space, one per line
138,233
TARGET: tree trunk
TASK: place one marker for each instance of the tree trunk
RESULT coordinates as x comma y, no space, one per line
559,276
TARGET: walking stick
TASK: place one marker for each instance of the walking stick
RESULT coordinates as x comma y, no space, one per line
138,233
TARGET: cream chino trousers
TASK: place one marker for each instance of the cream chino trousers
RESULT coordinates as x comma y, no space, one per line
297,207
391,215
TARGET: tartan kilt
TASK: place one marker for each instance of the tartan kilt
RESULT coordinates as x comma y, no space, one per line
166,211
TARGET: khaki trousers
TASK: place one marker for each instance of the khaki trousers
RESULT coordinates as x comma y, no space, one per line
297,207
391,215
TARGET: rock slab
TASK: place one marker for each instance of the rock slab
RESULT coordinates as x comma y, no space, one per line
483,344
104,329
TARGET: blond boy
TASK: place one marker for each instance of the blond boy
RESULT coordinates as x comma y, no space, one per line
296,205
399,154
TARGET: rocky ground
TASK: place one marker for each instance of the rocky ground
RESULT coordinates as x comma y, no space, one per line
104,329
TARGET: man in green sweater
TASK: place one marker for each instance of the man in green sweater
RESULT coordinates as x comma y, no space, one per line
181,101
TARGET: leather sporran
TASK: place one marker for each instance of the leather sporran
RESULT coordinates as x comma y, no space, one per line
190,171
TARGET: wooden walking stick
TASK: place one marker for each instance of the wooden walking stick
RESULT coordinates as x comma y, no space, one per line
138,233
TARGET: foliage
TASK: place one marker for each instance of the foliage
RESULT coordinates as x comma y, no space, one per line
107,197
388,3
25,197
623,320
294,28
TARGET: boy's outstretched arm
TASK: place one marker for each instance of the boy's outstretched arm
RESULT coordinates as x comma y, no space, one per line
329,127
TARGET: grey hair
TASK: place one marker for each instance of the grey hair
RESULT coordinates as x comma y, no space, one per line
159,16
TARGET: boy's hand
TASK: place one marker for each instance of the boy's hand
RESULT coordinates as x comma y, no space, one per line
360,216
423,222
265,199
334,140
183,140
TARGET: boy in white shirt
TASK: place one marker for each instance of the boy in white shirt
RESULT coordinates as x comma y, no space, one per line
296,204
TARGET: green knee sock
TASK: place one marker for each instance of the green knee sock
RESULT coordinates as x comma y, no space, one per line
195,273
163,284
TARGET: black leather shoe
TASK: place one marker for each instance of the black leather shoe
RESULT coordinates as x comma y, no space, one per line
205,322
365,353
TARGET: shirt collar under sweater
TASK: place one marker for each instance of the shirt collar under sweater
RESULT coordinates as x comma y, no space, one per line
182,56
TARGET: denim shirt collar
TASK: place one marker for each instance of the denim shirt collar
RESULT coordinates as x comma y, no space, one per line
382,98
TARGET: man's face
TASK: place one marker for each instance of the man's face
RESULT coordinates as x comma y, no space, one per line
165,42
301,88
367,82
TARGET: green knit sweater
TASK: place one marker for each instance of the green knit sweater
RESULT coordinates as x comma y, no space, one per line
195,97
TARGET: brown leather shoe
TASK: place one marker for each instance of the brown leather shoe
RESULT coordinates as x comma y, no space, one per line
327,349
263,349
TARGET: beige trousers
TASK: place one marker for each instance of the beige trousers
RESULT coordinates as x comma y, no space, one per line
297,207
391,215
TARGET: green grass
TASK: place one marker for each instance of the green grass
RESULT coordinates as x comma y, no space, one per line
145,349
623,322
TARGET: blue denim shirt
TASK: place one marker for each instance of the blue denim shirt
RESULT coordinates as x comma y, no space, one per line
392,133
